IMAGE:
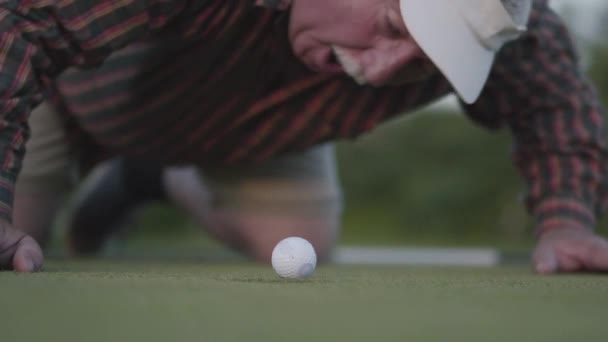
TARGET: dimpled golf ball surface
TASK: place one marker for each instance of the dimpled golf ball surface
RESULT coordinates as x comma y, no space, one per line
294,257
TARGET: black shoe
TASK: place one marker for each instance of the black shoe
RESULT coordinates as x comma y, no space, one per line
107,200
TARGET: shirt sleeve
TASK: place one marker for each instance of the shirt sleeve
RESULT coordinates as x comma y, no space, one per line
537,89
274,4
40,38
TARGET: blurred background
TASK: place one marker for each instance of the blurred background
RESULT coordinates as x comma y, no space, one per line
430,179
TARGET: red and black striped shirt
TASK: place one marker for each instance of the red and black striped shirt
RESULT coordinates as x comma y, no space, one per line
214,81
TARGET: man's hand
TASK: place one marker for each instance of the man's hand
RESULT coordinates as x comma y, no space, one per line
17,250
570,250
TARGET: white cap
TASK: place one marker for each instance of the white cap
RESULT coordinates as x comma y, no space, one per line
461,37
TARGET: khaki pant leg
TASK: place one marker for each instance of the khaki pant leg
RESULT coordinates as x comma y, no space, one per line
44,177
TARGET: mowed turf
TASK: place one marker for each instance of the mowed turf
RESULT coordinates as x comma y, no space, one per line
135,301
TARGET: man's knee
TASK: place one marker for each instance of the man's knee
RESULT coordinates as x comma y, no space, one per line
251,208
257,233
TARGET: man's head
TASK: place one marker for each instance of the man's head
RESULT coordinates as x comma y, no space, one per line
389,42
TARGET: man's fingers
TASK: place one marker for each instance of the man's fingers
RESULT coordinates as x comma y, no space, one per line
28,256
568,263
17,250
545,260
571,251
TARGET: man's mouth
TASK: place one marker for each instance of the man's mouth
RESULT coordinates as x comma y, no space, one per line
415,70
350,67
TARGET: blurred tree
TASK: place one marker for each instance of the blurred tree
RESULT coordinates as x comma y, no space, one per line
431,177
598,72
598,55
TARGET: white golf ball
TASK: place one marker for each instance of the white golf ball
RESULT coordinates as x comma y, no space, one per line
294,257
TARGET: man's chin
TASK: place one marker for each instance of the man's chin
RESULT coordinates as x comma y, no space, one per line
405,78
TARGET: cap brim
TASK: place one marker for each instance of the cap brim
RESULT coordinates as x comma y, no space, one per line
447,40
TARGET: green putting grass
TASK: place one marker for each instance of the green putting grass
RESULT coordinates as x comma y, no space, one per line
144,301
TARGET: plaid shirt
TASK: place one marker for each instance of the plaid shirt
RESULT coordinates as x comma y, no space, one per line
237,94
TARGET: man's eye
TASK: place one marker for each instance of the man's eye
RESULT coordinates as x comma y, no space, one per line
393,29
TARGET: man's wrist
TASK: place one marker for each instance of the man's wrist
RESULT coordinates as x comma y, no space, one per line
563,213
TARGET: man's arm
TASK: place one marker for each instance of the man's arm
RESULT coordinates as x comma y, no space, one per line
39,39
539,91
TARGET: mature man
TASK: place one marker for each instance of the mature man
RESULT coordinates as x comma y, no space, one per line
260,104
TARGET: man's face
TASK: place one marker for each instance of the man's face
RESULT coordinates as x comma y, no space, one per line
364,38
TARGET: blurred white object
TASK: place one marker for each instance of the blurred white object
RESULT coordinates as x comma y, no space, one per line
294,257
483,257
